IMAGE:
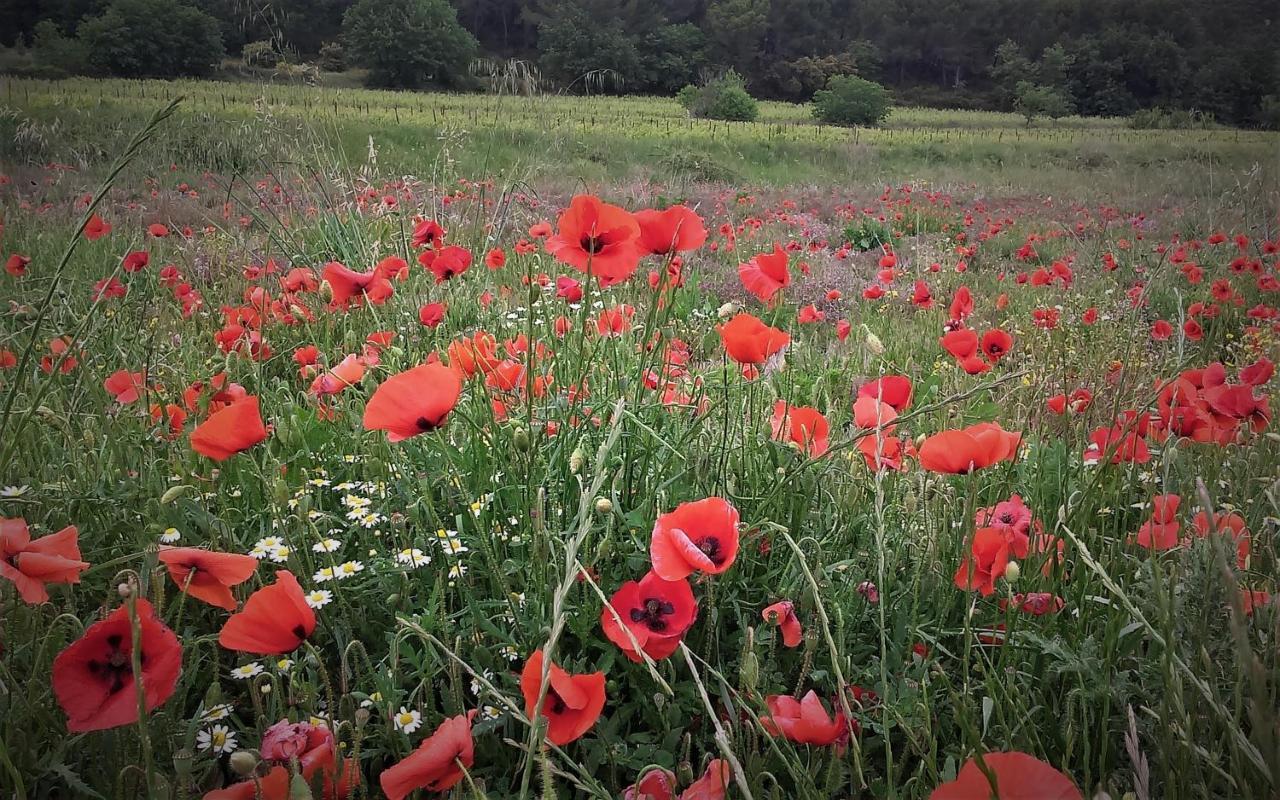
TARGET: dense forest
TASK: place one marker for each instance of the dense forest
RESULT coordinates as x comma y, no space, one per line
1105,57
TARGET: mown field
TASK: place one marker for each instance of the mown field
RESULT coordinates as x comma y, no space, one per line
357,444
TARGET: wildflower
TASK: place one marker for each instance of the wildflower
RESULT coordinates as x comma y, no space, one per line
1014,775
805,721
319,598
572,703
219,739
275,619
207,575
438,763
653,612
413,402
170,536
697,536
407,721
246,671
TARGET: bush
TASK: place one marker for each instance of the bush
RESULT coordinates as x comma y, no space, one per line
152,39
850,100
1033,100
723,98
409,44
260,54
687,96
1171,119
333,58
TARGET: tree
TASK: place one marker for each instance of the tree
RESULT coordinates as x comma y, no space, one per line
409,44
1036,100
152,39
1011,68
589,43
850,100
735,29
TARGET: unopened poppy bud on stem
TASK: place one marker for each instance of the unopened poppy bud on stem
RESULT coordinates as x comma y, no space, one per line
244,762
872,341
125,588
603,505
1012,572
576,459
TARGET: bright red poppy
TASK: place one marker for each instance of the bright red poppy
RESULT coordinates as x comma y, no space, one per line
438,763
431,314
802,426
33,565
446,262
230,430
96,228
892,389
125,386
572,703
275,619
766,274
93,677
783,614
597,238
349,372
415,401
17,265
313,747
747,340
962,343
656,613
805,721
350,286
995,344
673,230
207,575
986,562
972,448
1017,776
701,536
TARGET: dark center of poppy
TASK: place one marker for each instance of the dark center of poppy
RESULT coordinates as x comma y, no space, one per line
711,547
553,700
300,632
592,244
114,668
425,424
652,613
1007,518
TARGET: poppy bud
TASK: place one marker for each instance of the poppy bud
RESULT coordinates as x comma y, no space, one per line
685,772
182,764
244,762
920,441
362,717
520,439
659,700
604,505
1012,572
304,505
326,291
872,341
173,493
576,459
280,491
727,310
125,588
749,673
393,600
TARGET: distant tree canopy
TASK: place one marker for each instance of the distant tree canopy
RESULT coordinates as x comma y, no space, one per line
409,44
1094,56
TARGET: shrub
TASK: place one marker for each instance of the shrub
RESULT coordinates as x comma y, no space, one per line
152,38
687,96
1172,119
333,58
850,100
409,44
1033,100
260,54
724,98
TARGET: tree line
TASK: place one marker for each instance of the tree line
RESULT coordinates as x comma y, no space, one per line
1093,57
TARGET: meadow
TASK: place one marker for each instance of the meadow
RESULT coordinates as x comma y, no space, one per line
365,444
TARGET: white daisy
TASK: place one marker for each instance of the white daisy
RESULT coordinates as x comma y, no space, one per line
220,711
284,664
490,712
246,671
326,545
279,555
319,598
348,568
11,492
219,739
324,575
408,721
413,557
170,536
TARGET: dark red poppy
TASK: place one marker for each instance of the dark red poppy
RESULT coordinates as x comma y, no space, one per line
415,401
766,274
135,261
17,265
701,536
275,619
1014,776
207,575
783,614
33,565
230,430
93,677
598,238
438,763
572,703
747,340
654,611
672,230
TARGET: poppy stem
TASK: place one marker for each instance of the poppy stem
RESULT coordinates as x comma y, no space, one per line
135,658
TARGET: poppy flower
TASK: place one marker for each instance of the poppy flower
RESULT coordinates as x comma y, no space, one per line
870,413
414,401
747,340
392,268
349,372
598,238
125,386
1254,599
272,786
801,426
349,285
568,289
995,344
1258,373
673,230
17,265
312,746
712,784
1017,776
275,619
656,784
972,448
32,565
158,231
783,614
93,677
1227,524
804,721
654,611
96,228
701,536
766,274
135,261
438,763
208,575
477,353
572,703
962,343
446,262
892,389
1161,531
961,303
1161,330
427,233
230,430
986,562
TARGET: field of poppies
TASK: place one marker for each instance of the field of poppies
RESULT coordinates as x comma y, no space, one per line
325,475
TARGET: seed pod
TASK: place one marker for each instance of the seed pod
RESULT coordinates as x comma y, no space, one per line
604,506
173,493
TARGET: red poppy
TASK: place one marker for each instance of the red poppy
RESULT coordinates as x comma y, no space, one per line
870,413
427,233
135,261
654,611
350,286
572,703
597,237
1161,531
125,386
986,562
975,447
962,343
712,784
995,343
655,784
1014,776
1254,599
96,228
477,353
568,289
1161,330
783,614
892,389
17,265
414,401
157,230
495,258
446,262
312,746
766,274
438,763
349,372
32,565
230,430
747,340
701,536
207,575
802,426
1227,524
672,230
93,677
804,721
275,619
1258,373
